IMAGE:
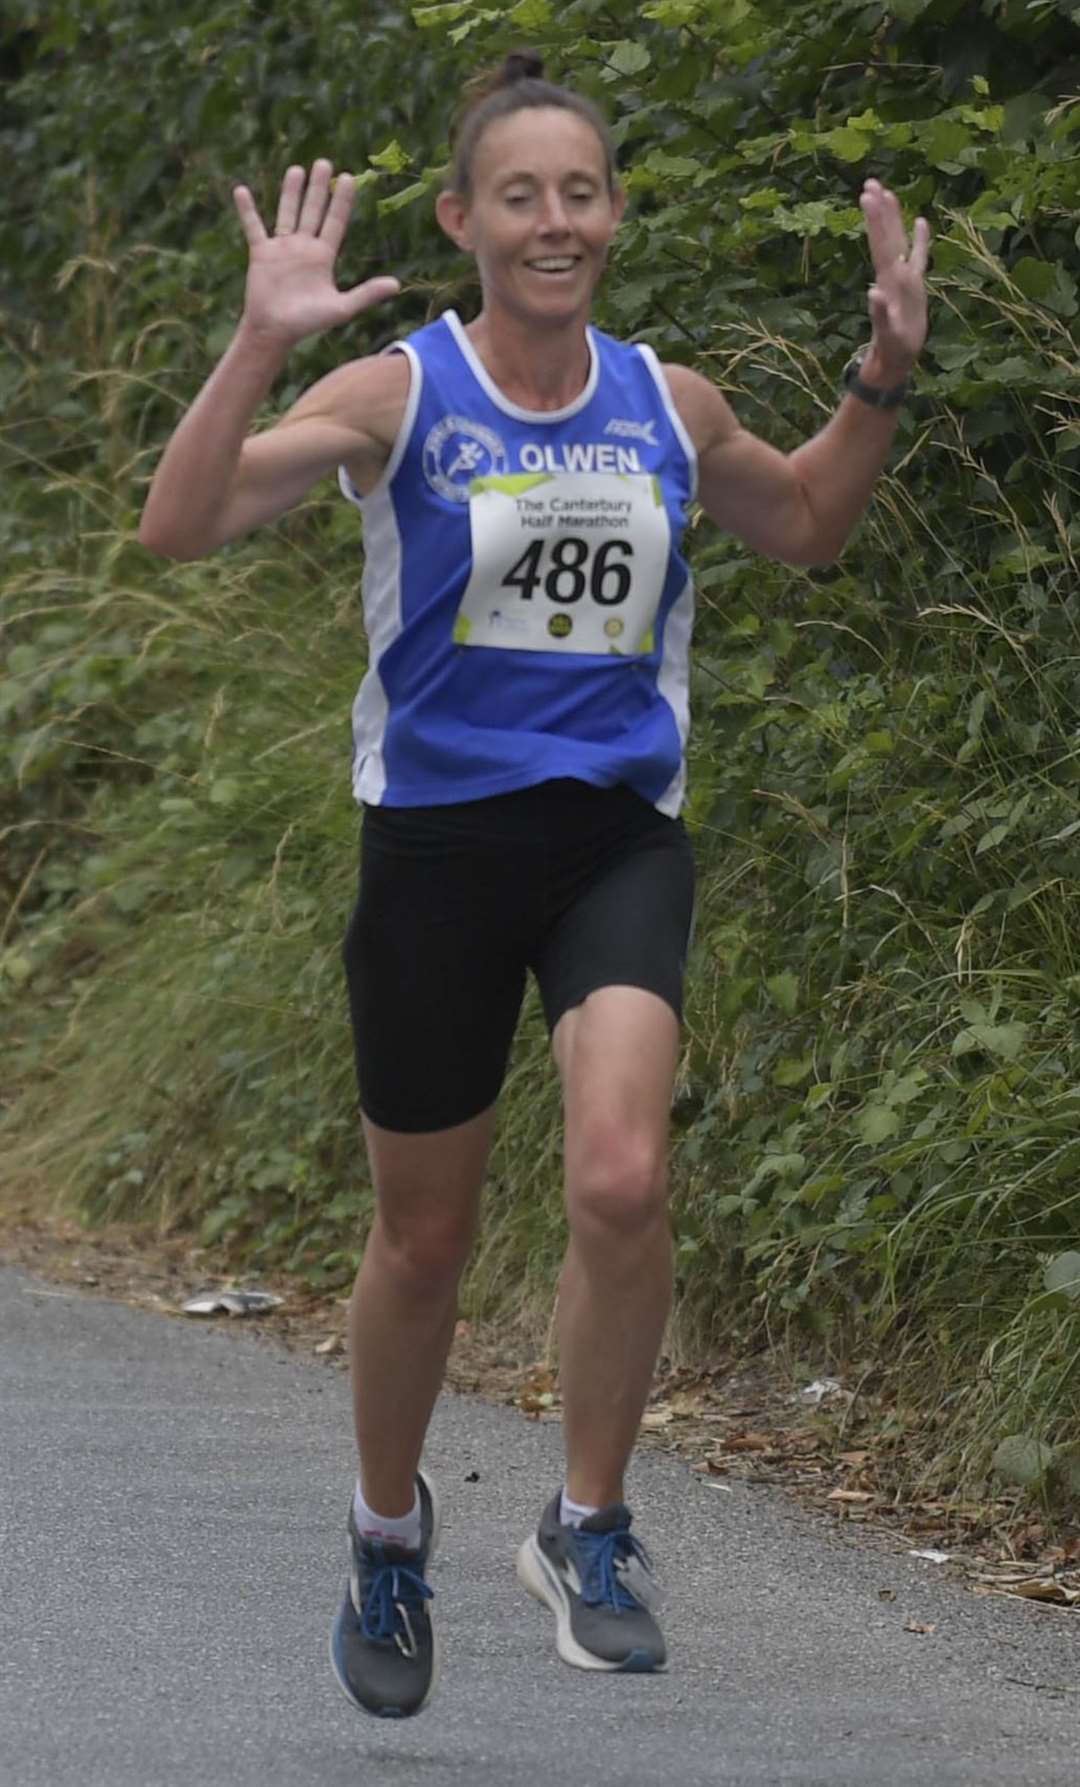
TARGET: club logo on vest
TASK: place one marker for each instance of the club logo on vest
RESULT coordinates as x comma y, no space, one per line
457,451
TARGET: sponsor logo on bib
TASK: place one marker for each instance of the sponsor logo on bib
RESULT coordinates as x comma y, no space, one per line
457,451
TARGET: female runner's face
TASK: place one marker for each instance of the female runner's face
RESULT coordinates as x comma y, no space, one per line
540,217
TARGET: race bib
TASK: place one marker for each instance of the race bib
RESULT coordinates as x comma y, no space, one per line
565,561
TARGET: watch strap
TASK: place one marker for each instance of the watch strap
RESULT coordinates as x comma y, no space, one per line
874,395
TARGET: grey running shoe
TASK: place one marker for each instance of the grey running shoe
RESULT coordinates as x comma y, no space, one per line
597,1581
382,1645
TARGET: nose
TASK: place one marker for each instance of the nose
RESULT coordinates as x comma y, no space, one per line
553,218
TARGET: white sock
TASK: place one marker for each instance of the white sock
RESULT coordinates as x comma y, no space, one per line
573,1513
402,1529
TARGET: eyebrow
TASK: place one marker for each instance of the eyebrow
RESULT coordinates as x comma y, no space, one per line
531,179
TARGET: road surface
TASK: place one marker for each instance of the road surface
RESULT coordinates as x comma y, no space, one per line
172,1505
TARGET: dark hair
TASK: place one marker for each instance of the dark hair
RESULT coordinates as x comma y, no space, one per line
518,83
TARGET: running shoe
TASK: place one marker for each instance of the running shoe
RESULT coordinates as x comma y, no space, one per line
382,1646
597,1580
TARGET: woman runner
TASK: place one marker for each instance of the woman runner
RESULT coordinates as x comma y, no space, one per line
520,738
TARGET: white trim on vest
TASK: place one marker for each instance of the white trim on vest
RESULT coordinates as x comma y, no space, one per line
491,390
648,354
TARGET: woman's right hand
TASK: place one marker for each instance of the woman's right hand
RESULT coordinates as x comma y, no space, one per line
291,291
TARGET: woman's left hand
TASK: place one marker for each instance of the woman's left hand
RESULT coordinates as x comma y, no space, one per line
897,297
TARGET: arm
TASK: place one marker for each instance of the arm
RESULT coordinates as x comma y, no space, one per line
801,507
213,481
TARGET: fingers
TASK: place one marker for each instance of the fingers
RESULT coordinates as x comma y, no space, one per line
313,209
372,292
288,211
886,234
885,231
920,247
879,310
250,221
337,216
314,205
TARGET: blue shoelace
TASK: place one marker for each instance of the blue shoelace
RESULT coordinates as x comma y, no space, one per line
394,1592
606,1557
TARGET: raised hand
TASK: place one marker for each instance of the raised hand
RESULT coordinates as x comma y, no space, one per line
897,298
291,291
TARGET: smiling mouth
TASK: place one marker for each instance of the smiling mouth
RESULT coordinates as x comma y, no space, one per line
554,264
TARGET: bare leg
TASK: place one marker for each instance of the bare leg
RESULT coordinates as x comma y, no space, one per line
404,1302
617,1054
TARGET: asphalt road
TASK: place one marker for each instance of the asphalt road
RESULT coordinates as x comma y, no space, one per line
172,1503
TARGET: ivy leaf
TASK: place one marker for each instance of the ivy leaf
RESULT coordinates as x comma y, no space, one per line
392,159
807,220
876,1123
407,196
847,144
628,58
676,167
792,1070
471,24
531,15
1023,1460
431,17
943,142
1048,283
1005,1040
784,991
953,354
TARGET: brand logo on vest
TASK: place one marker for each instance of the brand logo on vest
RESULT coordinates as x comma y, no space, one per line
457,451
638,431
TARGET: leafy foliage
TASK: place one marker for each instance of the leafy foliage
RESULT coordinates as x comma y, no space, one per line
877,1119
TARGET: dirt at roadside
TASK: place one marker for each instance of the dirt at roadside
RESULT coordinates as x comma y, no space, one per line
828,1445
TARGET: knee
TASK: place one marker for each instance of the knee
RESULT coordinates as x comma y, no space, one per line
425,1261
617,1188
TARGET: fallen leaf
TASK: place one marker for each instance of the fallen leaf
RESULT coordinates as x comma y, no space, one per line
822,1387
886,1594
1046,1589
916,1625
331,1345
653,1418
849,1495
932,1557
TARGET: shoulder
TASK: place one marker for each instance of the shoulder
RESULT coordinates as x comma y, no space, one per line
362,406
366,396
704,411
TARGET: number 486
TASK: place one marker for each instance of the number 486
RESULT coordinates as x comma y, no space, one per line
574,567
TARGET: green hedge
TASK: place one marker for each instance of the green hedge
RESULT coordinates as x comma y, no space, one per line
877,1115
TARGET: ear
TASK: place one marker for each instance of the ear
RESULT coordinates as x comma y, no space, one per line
618,203
453,215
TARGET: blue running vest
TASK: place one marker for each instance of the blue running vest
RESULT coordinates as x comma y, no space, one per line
526,601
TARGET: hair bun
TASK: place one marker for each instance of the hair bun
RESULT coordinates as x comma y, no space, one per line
522,65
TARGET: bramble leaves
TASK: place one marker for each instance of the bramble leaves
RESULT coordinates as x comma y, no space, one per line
884,790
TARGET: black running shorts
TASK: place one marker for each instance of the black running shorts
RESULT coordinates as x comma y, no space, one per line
587,887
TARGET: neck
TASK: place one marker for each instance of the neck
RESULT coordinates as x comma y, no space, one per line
536,367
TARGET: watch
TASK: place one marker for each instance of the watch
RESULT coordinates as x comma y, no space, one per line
877,398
